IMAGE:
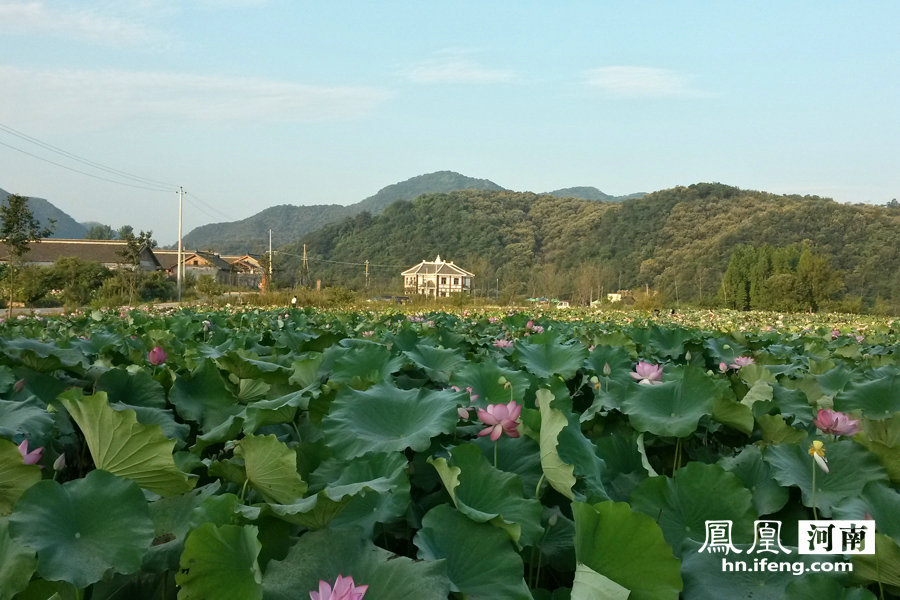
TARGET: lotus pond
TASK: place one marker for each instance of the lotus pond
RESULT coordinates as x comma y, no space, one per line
276,454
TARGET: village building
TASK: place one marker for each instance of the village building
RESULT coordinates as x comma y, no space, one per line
242,270
437,278
108,253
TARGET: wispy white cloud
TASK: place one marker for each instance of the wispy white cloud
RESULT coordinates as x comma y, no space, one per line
634,81
456,67
79,99
91,24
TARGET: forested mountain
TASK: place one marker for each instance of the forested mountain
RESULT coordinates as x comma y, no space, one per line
679,241
591,193
44,211
288,222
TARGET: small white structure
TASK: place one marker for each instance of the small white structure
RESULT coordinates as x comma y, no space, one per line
436,278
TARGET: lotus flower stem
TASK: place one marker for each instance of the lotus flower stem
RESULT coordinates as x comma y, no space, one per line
677,460
813,496
537,490
496,445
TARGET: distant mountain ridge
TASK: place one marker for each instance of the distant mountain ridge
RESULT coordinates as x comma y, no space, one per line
65,226
592,193
290,222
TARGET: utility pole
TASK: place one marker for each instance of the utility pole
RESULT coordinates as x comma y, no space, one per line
270,257
304,270
367,273
180,268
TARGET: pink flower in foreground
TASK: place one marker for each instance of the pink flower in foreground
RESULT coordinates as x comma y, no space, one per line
503,343
33,457
742,361
836,422
344,589
647,373
500,419
157,356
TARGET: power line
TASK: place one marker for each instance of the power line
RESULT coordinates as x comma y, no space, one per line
85,161
338,262
210,207
47,160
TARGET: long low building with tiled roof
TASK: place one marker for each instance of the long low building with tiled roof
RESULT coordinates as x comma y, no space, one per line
108,253
437,278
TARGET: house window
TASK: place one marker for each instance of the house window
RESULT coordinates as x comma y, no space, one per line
456,281
443,280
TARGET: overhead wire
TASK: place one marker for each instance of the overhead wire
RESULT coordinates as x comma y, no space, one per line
72,156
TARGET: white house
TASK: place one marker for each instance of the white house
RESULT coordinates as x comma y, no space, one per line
436,278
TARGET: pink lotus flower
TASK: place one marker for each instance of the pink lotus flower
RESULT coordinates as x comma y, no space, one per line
503,343
647,373
500,419
157,356
344,589
742,361
33,457
835,422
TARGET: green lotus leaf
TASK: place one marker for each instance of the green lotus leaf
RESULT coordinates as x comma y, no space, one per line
438,363
737,415
171,522
84,529
683,504
202,397
761,391
673,408
577,450
306,369
488,568
754,472
724,349
271,468
775,430
753,374
878,501
485,381
877,399
378,483
220,562
549,356
850,466
15,475
609,389
121,445
276,410
817,588
706,579
136,388
250,367
664,342
882,438
360,363
325,554
626,547
313,512
27,418
623,463
42,356
559,474
886,569
590,585
484,494
16,564
252,390
386,419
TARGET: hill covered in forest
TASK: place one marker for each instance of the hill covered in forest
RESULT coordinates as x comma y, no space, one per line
45,212
678,241
288,222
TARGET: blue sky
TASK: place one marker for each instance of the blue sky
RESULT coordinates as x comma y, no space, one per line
253,103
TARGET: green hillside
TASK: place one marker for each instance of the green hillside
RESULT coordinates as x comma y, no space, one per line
66,227
289,222
678,241
591,193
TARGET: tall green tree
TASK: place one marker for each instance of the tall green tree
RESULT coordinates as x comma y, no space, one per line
131,257
18,231
99,231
